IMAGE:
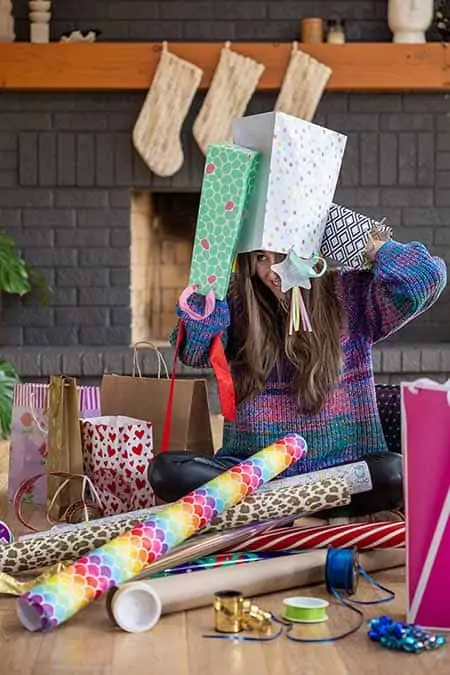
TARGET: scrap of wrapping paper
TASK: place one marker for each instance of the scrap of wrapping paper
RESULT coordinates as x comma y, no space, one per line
363,536
70,542
11,586
57,599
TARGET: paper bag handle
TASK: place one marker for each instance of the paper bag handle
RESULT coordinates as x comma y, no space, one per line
165,441
161,360
224,380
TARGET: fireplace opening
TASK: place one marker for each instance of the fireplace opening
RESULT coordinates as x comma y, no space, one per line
162,236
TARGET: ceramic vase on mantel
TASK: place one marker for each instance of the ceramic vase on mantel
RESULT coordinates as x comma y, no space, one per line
40,15
7,33
410,19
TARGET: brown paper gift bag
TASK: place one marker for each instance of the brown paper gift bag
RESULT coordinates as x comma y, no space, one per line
146,398
64,450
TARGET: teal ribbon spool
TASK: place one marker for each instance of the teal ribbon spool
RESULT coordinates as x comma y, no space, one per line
305,610
341,570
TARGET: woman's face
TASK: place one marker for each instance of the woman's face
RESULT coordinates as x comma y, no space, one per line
264,262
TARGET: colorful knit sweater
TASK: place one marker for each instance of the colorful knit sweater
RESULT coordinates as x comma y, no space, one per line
404,281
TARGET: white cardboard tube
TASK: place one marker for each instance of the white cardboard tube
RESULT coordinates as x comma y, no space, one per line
196,589
136,607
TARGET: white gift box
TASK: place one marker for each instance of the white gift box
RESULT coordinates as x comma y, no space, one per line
300,166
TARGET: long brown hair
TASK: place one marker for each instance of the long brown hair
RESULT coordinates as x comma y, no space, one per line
260,336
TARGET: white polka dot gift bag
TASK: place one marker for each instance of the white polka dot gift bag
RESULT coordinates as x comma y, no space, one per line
296,183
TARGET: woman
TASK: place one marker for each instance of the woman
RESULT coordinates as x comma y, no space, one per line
318,384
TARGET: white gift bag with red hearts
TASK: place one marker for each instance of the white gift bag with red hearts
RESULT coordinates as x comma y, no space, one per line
117,452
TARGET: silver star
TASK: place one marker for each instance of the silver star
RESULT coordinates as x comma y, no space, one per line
293,272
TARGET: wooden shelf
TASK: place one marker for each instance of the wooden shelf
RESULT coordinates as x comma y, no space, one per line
131,66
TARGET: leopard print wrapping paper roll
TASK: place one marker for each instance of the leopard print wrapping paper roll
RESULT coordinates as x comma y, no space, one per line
68,543
295,501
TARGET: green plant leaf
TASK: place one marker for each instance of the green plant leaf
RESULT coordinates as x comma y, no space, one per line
14,276
8,378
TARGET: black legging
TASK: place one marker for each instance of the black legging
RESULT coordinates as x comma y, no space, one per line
174,474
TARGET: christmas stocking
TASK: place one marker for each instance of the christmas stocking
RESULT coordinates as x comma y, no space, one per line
156,134
234,82
303,85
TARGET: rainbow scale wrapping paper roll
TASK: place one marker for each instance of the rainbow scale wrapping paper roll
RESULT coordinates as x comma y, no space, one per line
62,595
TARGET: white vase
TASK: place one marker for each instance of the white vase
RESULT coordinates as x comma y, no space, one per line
409,20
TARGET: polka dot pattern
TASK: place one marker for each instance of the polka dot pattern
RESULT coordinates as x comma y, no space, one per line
304,169
389,408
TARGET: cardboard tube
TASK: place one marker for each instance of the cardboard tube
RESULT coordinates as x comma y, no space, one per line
252,579
137,607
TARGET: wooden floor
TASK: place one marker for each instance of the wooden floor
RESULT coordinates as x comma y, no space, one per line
90,645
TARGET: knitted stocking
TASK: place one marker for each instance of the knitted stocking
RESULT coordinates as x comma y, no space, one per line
234,82
303,85
156,134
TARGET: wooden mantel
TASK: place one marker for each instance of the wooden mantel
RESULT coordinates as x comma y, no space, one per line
131,66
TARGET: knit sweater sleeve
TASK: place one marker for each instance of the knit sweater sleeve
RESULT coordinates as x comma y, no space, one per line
404,282
195,347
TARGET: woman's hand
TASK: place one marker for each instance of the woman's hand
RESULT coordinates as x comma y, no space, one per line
373,246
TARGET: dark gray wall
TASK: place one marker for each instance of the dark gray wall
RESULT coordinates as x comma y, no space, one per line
136,20
67,164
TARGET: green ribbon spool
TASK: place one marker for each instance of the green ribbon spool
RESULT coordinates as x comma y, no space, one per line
305,610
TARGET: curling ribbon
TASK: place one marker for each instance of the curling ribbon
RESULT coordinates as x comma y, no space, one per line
56,600
81,509
306,323
298,311
342,571
363,536
294,322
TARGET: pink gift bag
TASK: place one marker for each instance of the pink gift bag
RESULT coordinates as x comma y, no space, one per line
117,452
28,450
426,452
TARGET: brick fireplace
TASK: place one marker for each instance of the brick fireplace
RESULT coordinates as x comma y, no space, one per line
77,198
162,234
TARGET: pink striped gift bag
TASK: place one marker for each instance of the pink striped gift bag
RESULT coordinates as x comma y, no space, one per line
28,442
